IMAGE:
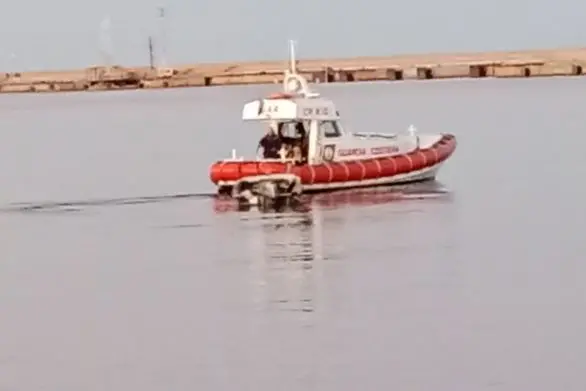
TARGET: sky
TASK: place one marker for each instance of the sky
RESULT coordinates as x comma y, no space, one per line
65,34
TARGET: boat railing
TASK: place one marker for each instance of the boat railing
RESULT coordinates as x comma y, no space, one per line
234,157
375,135
258,159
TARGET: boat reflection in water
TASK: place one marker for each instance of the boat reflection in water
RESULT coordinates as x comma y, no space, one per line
381,195
283,251
355,197
289,252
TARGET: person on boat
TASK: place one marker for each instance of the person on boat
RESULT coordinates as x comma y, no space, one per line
285,139
300,130
286,153
291,153
286,149
301,144
271,143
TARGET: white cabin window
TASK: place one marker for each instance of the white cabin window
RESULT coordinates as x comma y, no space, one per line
330,129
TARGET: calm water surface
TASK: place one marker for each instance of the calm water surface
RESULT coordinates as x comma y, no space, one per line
118,272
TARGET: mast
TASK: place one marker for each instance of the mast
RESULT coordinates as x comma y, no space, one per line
293,82
292,60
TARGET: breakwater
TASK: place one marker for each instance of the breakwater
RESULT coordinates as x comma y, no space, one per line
523,64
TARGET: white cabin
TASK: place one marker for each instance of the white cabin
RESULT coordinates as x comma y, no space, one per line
328,141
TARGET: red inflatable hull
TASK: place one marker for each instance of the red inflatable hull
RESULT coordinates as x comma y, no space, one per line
348,171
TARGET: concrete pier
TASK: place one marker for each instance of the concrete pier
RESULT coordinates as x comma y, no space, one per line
555,62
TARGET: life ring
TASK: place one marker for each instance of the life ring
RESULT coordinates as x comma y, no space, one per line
328,153
280,95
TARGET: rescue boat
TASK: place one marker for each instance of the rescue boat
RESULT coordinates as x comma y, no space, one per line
335,158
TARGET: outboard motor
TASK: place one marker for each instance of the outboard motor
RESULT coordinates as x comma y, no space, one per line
268,192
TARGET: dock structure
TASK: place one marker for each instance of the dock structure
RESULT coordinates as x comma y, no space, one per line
522,64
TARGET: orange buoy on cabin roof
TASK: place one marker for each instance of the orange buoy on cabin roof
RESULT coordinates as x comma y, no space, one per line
281,95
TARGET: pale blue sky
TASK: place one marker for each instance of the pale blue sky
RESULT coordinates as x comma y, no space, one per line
57,34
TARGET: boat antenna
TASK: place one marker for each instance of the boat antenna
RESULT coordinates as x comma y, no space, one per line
413,132
292,60
293,82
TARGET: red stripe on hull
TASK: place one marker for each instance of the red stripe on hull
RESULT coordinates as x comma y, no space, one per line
371,168
340,172
388,167
356,170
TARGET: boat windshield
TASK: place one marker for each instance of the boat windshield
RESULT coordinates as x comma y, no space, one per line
294,129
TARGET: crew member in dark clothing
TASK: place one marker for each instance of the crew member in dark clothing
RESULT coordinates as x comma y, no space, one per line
302,143
271,144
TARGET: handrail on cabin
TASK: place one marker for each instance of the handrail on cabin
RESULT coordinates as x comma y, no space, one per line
374,134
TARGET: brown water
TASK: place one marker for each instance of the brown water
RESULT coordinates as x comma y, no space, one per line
119,272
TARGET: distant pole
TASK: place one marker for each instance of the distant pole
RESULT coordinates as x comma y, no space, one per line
162,37
106,41
9,60
151,54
